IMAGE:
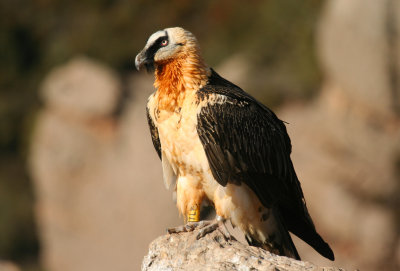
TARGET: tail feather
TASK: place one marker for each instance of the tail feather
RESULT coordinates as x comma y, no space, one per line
315,240
305,230
293,250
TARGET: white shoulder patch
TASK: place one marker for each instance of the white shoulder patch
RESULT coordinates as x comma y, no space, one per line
168,173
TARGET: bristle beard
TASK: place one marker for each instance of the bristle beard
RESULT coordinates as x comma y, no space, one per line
150,67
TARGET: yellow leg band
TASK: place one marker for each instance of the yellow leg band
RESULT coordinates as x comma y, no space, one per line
194,214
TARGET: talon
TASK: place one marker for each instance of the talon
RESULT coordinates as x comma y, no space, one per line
206,230
190,226
176,229
224,230
205,227
210,226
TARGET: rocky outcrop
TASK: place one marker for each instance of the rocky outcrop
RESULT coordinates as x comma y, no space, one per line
213,252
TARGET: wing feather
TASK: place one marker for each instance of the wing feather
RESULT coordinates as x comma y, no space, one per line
245,142
154,133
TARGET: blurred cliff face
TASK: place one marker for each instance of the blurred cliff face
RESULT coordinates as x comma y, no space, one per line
101,199
99,192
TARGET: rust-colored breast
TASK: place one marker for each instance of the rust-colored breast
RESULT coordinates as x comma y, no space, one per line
176,77
170,85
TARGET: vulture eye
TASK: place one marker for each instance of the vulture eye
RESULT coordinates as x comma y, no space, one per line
164,42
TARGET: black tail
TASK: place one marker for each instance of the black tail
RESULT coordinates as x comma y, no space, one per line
312,238
304,228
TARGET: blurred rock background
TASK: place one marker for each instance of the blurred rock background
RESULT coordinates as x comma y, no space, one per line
80,183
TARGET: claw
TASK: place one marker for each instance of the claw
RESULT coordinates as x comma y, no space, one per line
205,227
190,226
178,229
224,230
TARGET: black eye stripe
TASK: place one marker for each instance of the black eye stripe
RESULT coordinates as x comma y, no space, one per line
154,47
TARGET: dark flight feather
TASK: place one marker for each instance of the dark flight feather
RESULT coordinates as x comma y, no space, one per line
154,133
245,142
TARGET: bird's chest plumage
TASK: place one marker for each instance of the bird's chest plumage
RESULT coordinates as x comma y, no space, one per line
182,150
179,138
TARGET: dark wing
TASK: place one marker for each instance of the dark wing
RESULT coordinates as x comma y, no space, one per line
154,133
245,142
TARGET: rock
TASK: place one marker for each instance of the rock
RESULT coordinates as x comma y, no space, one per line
82,86
213,252
355,51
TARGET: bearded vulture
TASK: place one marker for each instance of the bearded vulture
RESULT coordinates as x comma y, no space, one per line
220,145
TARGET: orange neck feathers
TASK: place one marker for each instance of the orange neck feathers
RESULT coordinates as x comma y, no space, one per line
175,77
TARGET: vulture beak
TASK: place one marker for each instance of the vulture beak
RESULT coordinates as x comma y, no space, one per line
143,60
139,60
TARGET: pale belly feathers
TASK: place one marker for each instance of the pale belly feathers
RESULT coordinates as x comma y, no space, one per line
186,169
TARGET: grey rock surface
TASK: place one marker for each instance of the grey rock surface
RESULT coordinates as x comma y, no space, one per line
183,251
